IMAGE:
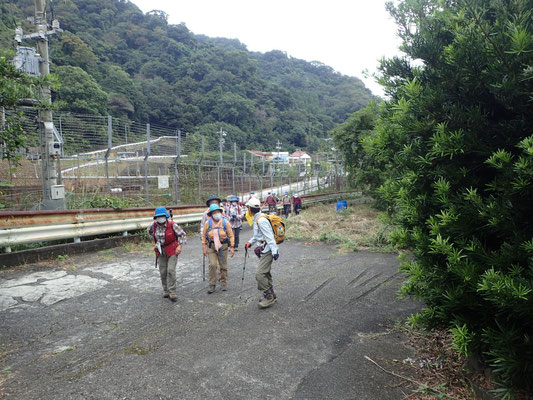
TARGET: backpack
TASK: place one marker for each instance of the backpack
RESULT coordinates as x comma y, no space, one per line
210,227
278,227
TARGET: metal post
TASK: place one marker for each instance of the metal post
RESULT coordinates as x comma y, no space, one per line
176,162
250,171
243,172
59,176
271,177
199,170
289,176
146,163
221,162
109,145
233,169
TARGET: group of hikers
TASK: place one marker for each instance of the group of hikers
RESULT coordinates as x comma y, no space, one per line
219,231
288,202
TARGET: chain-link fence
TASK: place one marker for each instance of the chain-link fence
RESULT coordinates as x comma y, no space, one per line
149,165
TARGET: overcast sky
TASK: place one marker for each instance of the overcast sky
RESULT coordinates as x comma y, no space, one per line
348,35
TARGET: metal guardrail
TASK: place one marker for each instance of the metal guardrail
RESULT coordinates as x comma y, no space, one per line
21,227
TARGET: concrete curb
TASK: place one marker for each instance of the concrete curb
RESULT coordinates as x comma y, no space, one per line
51,252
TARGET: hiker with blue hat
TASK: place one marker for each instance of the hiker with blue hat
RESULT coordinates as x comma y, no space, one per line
235,213
168,238
213,199
217,239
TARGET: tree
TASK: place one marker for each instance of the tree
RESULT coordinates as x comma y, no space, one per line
455,139
80,92
364,172
14,87
71,50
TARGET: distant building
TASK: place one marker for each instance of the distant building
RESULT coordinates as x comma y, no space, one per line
280,157
261,154
300,157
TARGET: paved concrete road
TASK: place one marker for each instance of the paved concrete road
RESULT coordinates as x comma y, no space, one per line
99,329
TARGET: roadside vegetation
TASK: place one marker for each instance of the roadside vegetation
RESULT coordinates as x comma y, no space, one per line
449,156
359,227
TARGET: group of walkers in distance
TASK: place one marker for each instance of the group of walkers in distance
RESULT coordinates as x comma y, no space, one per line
220,229
293,202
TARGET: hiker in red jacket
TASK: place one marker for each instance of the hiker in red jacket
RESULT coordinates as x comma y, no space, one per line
271,201
168,238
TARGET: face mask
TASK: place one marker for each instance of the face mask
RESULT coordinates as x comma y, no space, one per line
234,204
161,220
217,216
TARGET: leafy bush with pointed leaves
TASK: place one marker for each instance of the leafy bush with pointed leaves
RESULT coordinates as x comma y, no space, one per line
456,138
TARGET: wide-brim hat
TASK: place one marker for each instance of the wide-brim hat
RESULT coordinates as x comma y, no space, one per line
161,212
211,198
213,207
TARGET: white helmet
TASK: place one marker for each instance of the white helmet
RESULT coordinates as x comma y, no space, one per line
253,203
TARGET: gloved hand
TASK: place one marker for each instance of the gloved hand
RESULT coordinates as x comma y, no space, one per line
258,251
275,256
247,245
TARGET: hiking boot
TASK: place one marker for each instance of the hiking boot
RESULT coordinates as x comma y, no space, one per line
173,296
267,301
211,289
224,288
165,294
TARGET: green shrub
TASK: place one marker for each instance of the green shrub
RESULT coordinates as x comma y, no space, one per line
456,143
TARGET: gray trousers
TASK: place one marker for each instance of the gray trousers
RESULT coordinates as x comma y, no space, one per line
263,275
167,269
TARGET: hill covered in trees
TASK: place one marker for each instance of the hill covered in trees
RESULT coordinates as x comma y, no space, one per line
113,58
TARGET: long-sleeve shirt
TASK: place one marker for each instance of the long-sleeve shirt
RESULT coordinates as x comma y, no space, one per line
204,219
228,233
263,233
235,214
160,230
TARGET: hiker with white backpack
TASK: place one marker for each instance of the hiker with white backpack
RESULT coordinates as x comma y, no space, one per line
269,231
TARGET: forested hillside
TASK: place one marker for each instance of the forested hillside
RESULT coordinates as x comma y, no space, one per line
113,58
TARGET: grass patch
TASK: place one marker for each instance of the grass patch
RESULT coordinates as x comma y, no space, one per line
138,247
355,228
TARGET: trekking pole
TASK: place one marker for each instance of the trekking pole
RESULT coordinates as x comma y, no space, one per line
244,267
203,267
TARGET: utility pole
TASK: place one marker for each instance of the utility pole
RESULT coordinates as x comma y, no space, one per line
53,194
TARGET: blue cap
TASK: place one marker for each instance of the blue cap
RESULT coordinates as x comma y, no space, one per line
161,212
213,207
234,198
